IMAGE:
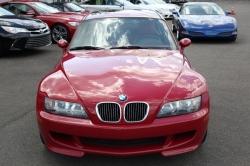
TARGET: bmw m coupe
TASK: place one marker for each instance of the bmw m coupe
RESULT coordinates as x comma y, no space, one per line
123,87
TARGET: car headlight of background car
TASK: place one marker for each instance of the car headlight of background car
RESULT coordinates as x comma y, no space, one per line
14,29
75,24
64,108
180,107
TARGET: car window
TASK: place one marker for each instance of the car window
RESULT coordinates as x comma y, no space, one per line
95,2
74,7
19,8
66,9
5,12
60,6
202,10
44,7
114,32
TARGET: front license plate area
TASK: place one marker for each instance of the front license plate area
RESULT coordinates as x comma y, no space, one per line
211,33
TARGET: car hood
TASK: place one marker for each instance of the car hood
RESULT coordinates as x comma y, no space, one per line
102,75
208,22
21,22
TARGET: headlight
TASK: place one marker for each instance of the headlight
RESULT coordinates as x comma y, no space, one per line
234,32
64,108
46,25
75,24
184,32
14,29
180,107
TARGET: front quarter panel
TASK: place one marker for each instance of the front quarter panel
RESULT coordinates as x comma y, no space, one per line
56,86
188,85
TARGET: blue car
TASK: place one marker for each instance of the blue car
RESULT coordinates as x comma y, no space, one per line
203,20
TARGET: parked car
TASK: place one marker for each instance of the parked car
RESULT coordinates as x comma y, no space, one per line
204,20
177,1
70,7
18,32
62,24
123,88
99,5
164,9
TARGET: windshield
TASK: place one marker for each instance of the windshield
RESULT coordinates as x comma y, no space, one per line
149,2
202,10
160,2
44,8
117,32
4,12
74,7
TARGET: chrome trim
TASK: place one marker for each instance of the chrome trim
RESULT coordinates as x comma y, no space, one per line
146,115
98,115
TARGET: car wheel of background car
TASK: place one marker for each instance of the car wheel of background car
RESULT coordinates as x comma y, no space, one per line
58,32
233,39
204,138
173,28
42,139
178,34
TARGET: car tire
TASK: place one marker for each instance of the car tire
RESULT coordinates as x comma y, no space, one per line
60,31
173,28
178,34
204,138
42,139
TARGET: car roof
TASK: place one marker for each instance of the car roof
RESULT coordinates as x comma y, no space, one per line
123,13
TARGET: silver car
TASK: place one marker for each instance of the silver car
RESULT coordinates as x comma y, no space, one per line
97,5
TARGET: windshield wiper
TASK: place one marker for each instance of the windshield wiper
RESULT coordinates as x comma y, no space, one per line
87,48
129,47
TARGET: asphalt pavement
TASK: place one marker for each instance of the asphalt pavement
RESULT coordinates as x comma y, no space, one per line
225,65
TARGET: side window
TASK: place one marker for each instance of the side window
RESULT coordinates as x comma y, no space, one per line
60,6
65,9
7,6
137,2
20,8
117,3
110,2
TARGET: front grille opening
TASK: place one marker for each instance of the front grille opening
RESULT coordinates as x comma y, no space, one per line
183,137
109,112
225,33
129,142
34,42
62,138
136,111
196,33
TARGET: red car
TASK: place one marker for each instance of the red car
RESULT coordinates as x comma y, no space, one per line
123,88
62,24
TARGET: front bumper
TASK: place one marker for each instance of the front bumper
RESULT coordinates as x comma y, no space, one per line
66,135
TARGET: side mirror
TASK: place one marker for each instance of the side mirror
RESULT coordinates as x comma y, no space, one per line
175,12
228,12
63,44
31,12
184,43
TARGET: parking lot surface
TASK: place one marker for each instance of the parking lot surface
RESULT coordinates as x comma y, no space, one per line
225,65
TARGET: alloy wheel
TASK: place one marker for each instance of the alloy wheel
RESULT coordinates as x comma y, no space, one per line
59,32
